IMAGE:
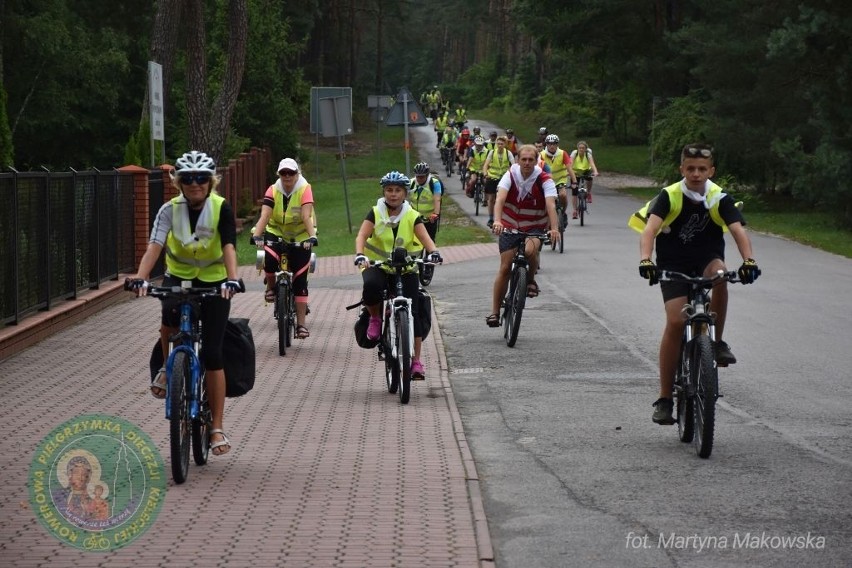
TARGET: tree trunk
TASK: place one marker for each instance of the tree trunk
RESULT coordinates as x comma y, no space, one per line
163,46
209,125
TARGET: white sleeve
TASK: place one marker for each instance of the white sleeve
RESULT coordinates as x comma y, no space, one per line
505,183
549,188
162,224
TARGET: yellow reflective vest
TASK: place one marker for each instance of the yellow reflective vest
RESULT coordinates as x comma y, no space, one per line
202,258
380,244
638,220
499,163
558,169
288,224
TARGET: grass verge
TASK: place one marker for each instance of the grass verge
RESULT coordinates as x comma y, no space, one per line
368,156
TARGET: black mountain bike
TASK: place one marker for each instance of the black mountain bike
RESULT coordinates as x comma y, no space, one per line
285,297
516,294
478,194
696,385
582,198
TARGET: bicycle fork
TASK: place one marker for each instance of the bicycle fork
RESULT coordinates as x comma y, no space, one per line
393,307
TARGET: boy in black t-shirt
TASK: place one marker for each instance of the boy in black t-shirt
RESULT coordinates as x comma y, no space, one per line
687,222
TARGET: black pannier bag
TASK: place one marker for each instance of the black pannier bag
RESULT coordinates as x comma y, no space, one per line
237,352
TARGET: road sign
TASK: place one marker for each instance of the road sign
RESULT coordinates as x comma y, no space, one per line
318,93
406,111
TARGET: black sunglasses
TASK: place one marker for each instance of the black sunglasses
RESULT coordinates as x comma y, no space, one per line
200,179
286,173
693,151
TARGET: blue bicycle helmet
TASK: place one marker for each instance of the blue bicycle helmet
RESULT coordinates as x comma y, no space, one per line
421,169
394,178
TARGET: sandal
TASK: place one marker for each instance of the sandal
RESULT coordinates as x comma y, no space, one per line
302,332
158,385
532,289
493,320
223,443
269,296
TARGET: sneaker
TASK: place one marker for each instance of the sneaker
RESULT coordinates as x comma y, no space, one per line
490,223
574,216
417,370
724,357
374,329
663,411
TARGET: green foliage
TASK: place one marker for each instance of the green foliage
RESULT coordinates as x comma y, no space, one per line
683,121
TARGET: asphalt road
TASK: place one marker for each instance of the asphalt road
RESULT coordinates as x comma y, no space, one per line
574,471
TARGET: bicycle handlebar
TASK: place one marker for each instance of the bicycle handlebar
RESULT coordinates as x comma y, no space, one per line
705,281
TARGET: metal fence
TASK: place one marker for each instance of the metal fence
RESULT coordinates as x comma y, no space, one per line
61,233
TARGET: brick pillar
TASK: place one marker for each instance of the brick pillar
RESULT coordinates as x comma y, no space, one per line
169,190
140,210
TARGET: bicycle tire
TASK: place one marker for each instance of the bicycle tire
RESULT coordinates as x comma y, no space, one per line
283,316
403,349
685,405
561,235
477,199
582,209
559,217
391,363
179,422
515,303
706,381
201,428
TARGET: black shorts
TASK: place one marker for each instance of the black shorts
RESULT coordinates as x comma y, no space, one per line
509,241
491,185
673,290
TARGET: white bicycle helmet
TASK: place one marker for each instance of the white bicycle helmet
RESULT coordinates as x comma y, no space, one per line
479,140
195,161
421,169
551,139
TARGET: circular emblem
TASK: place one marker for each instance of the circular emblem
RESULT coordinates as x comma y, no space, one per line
97,482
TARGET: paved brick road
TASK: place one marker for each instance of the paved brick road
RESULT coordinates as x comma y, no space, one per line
327,469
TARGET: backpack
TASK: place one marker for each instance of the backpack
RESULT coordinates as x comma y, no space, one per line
238,354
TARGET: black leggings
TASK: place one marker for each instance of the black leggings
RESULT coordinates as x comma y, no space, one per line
214,317
377,280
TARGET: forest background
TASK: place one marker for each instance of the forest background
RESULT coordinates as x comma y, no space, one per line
768,84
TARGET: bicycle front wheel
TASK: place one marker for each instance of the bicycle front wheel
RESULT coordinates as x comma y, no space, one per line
282,307
391,363
201,427
685,403
582,210
477,199
515,301
403,349
179,427
706,381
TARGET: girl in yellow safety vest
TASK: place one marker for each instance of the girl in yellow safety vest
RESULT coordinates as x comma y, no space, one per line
392,223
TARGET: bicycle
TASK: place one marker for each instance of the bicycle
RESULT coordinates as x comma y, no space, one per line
696,384
464,174
285,297
516,294
187,407
396,347
478,194
582,198
448,155
562,220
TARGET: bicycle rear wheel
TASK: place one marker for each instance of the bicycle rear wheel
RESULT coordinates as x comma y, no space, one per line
685,405
403,349
515,301
282,307
179,427
201,427
477,200
706,381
